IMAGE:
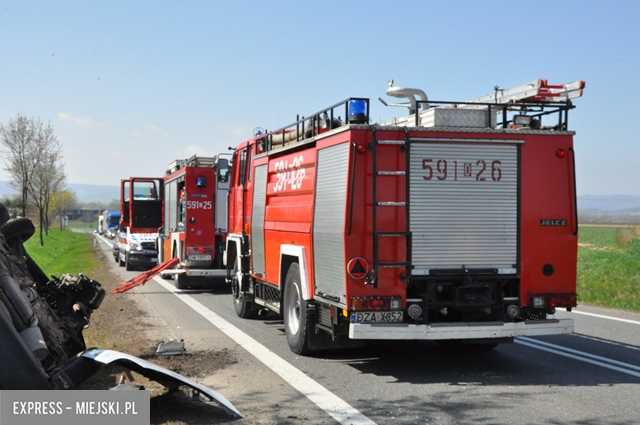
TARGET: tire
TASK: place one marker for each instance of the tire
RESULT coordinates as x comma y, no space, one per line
22,227
296,314
120,262
127,262
180,281
244,309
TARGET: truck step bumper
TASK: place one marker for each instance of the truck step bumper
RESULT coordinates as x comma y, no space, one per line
459,330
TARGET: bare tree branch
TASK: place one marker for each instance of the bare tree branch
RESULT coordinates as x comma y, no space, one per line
33,158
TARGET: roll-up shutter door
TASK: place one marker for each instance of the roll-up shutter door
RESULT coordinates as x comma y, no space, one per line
257,218
329,220
463,205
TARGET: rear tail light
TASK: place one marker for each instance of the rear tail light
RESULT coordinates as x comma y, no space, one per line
376,303
197,250
554,300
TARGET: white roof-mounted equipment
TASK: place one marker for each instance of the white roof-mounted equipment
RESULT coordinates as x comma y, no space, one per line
406,93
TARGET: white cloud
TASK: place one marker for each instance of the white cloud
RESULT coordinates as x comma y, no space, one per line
85,122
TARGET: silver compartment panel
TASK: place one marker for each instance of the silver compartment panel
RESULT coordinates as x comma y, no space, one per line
460,221
329,220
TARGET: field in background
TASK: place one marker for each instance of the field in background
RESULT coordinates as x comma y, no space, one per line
609,266
81,225
63,252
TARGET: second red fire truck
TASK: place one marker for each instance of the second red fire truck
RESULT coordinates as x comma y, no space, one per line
195,219
455,223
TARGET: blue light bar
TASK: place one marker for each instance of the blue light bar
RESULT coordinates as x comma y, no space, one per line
357,112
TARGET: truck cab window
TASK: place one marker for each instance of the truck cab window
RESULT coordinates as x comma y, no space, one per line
242,169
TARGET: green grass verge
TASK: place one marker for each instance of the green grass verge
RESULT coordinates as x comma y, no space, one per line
63,252
608,268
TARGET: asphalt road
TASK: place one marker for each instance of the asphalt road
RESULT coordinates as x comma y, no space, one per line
589,377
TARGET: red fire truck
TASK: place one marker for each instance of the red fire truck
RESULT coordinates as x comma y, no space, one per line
195,219
456,223
141,212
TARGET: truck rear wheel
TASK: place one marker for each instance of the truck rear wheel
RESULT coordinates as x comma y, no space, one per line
244,309
296,314
180,281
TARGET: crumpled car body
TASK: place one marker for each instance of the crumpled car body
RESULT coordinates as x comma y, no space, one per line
42,320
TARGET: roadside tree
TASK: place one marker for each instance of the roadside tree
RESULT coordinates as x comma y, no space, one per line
33,159
61,202
48,178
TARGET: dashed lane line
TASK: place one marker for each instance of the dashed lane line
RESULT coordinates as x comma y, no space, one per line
627,368
602,316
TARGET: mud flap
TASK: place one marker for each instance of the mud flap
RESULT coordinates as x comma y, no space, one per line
320,339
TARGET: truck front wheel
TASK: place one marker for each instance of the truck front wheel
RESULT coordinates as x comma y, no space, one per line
244,309
296,314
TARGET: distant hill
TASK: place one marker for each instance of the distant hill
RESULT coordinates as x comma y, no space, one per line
95,193
609,204
84,192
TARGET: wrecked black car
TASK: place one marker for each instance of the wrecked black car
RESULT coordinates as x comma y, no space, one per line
41,324
41,318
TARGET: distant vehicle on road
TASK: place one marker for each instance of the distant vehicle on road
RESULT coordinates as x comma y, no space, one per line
110,223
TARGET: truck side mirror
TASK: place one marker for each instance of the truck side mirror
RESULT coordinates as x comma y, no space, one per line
223,170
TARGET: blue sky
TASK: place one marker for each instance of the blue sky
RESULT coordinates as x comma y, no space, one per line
130,86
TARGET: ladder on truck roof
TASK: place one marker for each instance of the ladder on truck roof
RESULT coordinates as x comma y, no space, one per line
194,161
536,91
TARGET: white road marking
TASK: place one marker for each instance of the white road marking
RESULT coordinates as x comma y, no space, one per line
627,368
340,410
104,240
601,316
